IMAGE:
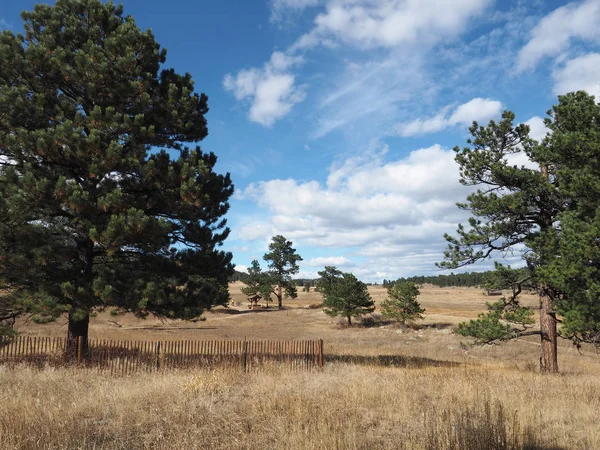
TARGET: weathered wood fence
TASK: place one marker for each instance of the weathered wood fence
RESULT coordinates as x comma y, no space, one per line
124,357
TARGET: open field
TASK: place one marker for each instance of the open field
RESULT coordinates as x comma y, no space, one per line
445,307
442,394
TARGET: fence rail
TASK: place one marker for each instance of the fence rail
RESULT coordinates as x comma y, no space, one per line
124,357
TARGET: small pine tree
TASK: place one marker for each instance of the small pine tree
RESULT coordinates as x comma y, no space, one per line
347,297
283,263
402,304
257,283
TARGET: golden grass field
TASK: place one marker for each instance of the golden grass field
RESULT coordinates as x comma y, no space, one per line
440,394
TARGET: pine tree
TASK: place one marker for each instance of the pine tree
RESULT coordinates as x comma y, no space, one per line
283,263
573,149
102,203
346,296
328,277
258,283
512,205
551,212
402,304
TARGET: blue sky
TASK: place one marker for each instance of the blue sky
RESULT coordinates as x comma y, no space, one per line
336,118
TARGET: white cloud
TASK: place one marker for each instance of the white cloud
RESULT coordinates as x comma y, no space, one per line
554,33
478,109
328,261
537,128
280,7
366,202
581,73
409,26
384,218
391,23
271,90
241,268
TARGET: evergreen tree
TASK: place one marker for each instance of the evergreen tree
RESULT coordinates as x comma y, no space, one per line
402,304
102,203
573,152
328,278
551,212
258,283
346,296
512,205
283,263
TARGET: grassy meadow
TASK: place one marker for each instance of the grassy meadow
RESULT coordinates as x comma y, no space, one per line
383,386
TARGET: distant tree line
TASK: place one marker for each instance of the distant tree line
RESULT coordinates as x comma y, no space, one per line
467,279
239,276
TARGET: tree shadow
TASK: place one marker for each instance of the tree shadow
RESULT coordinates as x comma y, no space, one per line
233,312
413,362
150,328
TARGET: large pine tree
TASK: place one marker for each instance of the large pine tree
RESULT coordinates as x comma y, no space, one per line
102,203
513,205
551,212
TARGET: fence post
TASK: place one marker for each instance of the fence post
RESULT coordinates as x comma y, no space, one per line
79,348
244,355
320,353
158,355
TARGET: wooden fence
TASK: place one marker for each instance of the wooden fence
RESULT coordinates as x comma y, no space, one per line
124,357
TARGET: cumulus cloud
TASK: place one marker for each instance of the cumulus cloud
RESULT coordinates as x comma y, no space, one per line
360,194
581,73
381,208
478,109
537,128
328,261
271,90
241,268
390,23
555,32
383,218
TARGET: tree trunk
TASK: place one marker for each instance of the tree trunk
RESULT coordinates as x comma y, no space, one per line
349,320
549,354
77,328
279,297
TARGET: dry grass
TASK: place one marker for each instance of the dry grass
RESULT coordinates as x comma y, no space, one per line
441,394
445,308
349,407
